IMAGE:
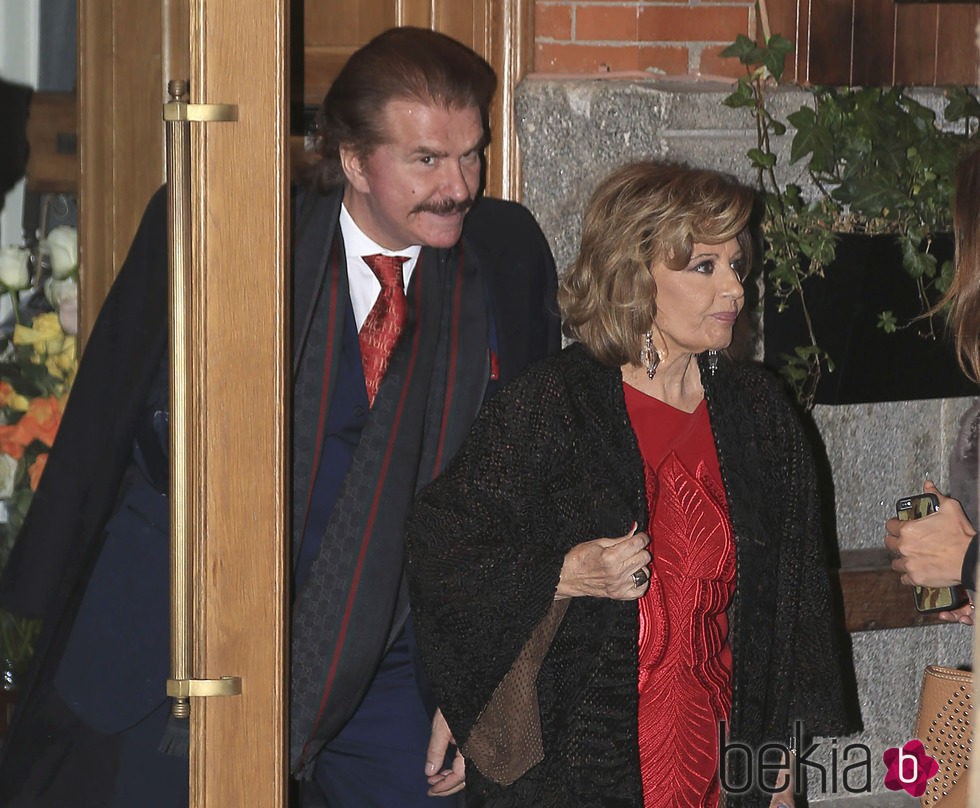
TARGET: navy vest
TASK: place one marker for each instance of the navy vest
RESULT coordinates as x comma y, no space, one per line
342,432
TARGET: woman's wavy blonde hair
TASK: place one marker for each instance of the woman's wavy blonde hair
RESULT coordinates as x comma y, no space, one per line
963,295
643,213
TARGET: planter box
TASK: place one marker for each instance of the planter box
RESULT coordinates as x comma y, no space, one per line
865,279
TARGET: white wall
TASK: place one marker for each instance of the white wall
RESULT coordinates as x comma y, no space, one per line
19,37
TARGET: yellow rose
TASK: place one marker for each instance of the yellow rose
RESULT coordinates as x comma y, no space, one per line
45,334
62,364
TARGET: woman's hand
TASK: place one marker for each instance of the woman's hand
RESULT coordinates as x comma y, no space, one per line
606,568
963,615
929,551
443,782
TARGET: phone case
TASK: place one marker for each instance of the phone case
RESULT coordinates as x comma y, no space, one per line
928,598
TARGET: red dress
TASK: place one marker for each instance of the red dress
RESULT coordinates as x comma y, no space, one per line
685,659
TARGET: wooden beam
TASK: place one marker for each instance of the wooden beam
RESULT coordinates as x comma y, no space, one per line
874,597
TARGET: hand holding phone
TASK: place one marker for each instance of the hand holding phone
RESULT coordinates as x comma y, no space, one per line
927,598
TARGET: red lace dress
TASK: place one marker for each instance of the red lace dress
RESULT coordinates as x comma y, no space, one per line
685,659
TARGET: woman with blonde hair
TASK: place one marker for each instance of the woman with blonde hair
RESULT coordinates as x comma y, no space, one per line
941,550
619,585
963,295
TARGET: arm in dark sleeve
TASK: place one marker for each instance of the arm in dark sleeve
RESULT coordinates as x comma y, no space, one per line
94,443
483,559
815,651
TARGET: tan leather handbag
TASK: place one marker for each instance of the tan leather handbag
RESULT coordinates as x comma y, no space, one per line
943,726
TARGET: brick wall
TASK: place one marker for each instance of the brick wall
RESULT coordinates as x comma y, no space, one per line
666,37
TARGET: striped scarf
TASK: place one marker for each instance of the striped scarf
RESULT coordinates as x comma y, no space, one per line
353,600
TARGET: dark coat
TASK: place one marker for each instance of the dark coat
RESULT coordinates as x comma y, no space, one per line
552,462
50,754
495,289
50,750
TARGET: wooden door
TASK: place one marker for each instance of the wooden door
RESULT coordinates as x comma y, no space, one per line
121,89
232,52
238,372
879,42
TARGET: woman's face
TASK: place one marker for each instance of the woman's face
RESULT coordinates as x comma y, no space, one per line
697,305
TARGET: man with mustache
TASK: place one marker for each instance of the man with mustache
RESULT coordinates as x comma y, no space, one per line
413,299
401,136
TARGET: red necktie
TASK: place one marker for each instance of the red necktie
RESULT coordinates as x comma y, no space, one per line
385,321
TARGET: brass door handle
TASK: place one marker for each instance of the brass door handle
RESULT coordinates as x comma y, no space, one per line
185,480
203,688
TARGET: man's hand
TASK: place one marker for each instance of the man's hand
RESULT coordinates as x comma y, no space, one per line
443,782
929,551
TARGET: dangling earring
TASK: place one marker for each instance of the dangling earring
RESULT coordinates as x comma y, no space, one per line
712,361
650,355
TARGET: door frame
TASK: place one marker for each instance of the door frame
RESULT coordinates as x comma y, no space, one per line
233,52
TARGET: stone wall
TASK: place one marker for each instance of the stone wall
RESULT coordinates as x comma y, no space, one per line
572,133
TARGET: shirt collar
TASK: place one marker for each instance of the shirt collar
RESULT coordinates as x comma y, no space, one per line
357,243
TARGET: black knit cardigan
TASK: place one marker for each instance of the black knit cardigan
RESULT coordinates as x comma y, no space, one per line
552,462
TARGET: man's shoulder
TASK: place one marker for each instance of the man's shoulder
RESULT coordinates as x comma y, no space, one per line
490,217
489,206
312,205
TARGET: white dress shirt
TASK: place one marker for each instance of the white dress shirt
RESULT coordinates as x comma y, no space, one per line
364,286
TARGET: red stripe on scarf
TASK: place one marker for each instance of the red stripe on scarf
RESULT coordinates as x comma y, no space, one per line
453,354
327,358
355,581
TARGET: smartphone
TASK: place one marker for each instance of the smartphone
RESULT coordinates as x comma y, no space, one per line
928,598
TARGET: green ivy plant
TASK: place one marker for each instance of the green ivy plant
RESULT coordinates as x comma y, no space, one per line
881,165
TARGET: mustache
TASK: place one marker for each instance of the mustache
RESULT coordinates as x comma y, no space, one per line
444,207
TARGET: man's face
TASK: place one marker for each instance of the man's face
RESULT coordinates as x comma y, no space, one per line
416,187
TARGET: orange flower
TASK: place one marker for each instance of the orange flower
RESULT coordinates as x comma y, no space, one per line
37,469
40,422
